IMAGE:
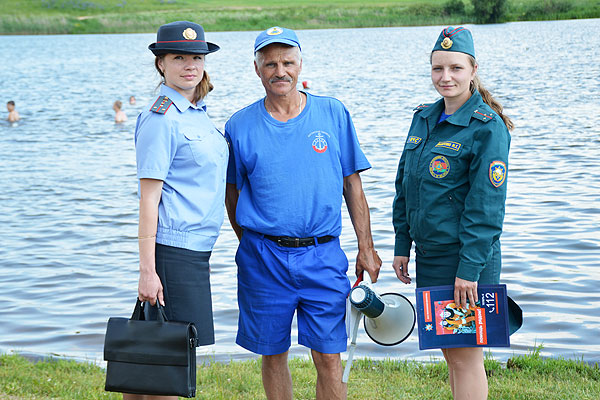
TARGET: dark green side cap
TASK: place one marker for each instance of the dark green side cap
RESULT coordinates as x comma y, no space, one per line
455,39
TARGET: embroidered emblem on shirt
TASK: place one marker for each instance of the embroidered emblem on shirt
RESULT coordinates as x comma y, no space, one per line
414,140
161,105
449,145
439,167
497,173
319,144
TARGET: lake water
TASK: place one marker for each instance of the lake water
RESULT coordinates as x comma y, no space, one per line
68,205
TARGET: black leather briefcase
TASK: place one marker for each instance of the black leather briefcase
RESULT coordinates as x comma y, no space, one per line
150,357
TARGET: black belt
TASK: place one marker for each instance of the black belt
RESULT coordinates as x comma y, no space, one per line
287,241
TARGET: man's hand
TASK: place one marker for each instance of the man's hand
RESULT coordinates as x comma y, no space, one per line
400,265
368,260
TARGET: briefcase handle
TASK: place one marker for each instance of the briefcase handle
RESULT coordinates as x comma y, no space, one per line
138,312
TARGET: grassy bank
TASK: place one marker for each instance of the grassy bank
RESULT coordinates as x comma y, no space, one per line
523,377
128,16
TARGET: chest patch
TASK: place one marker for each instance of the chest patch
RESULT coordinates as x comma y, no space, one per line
449,145
439,167
319,141
414,140
497,173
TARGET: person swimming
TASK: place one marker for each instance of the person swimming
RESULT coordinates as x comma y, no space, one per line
120,115
13,115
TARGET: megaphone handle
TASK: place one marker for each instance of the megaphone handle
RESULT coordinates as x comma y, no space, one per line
366,277
351,349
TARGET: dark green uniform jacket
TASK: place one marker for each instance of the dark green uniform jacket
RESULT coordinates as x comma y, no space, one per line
451,184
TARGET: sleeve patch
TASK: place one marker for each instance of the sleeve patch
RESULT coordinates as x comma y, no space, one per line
414,139
161,105
497,173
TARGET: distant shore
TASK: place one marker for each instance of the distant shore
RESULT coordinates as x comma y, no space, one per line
136,16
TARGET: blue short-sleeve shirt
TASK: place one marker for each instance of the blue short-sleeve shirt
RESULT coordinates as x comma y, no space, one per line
290,174
183,149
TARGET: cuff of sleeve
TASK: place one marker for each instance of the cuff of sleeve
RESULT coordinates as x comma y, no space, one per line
469,271
402,247
151,174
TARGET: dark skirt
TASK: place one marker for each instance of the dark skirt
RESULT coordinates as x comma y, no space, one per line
440,269
186,286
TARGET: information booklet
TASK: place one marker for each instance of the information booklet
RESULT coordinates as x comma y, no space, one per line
442,324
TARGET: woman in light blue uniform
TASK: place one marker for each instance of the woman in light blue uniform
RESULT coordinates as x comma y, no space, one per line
181,166
451,190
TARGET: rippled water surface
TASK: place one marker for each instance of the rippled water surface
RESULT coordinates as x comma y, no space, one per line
68,205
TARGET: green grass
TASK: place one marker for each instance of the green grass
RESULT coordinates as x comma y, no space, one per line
128,16
523,377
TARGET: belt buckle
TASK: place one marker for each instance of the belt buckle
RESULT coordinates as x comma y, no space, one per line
296,242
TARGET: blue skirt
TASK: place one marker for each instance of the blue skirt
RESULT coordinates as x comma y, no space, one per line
186,286
440,269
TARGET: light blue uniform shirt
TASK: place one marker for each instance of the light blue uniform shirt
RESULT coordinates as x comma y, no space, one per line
290,174
183,149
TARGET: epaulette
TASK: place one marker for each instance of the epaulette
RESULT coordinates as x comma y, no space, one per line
483,116
161,105
421,107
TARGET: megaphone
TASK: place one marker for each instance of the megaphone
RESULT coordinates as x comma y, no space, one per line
389,319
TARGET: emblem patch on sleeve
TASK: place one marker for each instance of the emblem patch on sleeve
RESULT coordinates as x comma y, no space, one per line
439,167
497,173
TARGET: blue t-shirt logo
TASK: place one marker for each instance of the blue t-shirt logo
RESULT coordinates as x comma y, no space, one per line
319,144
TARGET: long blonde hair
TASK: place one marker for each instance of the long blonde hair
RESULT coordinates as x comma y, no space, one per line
488,98
202,89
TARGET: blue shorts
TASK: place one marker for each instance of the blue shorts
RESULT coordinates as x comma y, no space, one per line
275,281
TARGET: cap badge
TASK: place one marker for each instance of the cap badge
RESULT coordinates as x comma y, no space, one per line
274,31
446,43
190,34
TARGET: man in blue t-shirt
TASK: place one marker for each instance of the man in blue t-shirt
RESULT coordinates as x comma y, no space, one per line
293,156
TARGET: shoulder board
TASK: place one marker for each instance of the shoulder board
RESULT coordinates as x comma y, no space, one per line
483,115
161,105
421,107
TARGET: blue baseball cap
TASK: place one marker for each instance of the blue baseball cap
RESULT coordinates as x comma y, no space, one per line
276,34
455,39
181,37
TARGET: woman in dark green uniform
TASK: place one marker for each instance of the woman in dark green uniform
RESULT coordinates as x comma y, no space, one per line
451,190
